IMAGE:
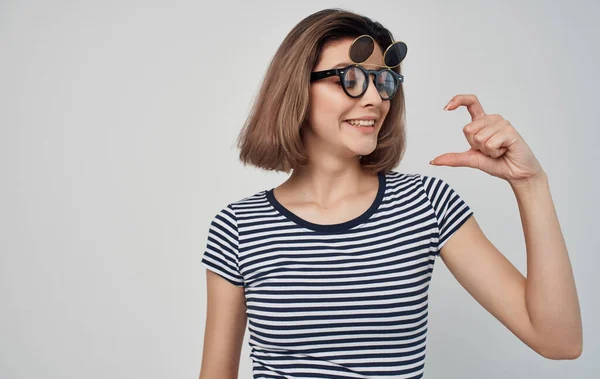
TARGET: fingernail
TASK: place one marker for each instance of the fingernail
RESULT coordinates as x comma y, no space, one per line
447,105
431,162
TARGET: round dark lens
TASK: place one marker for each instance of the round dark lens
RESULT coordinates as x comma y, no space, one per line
386,84
354,81
395,54
361,49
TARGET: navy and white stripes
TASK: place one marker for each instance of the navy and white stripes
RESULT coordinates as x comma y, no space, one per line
337,301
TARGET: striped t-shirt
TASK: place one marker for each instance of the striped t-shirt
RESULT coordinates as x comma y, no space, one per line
345,300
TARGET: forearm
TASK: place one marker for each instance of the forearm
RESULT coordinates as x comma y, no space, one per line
550,292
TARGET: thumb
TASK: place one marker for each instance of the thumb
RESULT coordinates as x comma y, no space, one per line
469,158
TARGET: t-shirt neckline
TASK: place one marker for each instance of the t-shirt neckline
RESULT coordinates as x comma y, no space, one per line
331,228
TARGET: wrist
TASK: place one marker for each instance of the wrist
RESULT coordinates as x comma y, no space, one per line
537,180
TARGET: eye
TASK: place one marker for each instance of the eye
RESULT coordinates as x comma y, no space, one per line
350,83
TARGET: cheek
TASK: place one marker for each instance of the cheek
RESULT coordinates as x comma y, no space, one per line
327,105
385,108
328,97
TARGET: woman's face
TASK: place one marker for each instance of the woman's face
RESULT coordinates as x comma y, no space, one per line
328,128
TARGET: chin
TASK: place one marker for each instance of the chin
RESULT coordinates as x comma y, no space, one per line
363,152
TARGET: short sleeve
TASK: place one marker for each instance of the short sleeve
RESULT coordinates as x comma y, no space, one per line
450,209
221,253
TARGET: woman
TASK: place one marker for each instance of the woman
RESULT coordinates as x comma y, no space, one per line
332,267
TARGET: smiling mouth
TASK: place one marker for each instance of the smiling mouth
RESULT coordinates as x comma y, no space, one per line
369,128
362,123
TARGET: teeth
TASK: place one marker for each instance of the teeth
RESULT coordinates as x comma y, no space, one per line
361,122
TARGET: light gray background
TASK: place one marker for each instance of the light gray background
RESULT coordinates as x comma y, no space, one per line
118,123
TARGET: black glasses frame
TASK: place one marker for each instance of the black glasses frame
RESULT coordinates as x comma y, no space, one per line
341,72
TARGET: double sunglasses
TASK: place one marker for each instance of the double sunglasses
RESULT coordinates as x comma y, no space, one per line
354,78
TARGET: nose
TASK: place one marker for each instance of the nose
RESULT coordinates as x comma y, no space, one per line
372,95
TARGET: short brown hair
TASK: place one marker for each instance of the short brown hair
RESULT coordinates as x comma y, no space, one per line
270,138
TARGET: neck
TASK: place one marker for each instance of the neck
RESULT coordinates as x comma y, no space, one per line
326,184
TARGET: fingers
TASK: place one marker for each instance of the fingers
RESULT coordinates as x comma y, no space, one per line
470,101
491,135
470,158
498,143
478,133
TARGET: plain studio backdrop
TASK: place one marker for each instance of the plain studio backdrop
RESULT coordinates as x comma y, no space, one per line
118,122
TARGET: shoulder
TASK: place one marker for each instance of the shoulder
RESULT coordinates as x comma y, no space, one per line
396,179
431,184
434,187
249,204
256,199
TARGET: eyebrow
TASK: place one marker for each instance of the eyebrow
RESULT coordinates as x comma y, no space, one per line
342,65
346,64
